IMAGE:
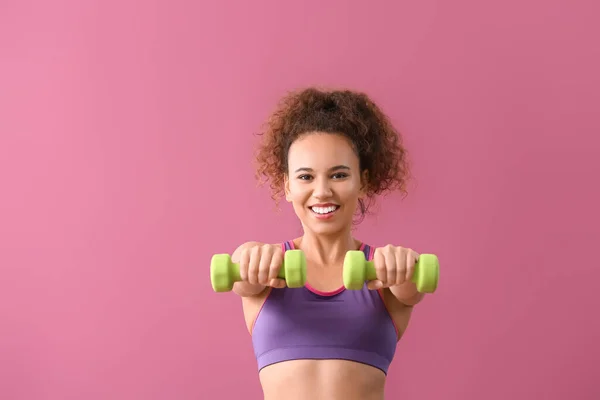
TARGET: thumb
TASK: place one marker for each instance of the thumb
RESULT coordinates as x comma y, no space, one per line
277,283
374,285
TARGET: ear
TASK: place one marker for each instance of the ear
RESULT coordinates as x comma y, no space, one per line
286,187
364,183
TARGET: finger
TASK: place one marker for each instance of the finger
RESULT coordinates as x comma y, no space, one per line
411,261
264,265
253,265
244,261
374,285
391,266
275,266
379,264
400,266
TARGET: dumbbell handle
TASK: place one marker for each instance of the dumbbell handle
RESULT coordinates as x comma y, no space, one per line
371,273
235,270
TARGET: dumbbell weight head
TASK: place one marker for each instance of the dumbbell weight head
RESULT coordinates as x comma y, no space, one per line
223,273
293,269
355,271
427,273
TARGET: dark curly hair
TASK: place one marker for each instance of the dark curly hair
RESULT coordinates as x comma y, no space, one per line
350,113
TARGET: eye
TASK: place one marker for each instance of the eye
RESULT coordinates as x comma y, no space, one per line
304,177
340,175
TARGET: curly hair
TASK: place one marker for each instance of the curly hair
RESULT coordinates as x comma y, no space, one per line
349,113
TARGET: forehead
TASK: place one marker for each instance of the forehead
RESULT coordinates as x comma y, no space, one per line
321,150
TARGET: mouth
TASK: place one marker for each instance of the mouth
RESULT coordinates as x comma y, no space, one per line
324,210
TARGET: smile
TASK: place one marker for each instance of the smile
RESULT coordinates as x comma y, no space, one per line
324,210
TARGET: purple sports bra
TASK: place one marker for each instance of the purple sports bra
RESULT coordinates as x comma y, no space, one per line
304,323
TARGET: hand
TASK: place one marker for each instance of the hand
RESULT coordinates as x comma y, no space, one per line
393,265
260,264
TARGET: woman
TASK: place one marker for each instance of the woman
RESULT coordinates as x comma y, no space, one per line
329,153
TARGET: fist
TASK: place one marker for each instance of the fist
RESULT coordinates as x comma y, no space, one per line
260,264
394,265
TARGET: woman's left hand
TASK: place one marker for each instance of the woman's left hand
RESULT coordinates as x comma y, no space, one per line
394,266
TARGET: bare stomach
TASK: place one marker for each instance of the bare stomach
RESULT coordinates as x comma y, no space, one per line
322,379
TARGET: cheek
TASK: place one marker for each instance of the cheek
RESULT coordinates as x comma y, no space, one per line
298,193
349,192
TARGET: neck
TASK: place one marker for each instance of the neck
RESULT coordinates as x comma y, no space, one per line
327,250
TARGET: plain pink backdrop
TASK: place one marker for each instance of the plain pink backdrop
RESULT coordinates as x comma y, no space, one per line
125,163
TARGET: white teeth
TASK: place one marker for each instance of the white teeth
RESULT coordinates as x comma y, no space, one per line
324,210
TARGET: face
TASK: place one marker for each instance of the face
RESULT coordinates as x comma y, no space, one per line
324,182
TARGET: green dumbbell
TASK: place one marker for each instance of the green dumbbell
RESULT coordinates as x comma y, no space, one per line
357,270
224,273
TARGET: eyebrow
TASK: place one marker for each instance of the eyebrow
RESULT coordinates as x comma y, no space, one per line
330,169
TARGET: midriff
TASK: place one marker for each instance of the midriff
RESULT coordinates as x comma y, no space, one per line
322,380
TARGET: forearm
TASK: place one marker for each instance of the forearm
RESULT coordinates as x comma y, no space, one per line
245,289
407,293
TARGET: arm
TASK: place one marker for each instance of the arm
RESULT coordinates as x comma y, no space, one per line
407,293
245,289
393,262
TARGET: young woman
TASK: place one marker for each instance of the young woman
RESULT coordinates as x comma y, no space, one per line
329,153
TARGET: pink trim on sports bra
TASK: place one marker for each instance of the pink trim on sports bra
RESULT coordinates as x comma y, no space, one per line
332,293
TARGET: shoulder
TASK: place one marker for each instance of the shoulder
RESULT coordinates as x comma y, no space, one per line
368,249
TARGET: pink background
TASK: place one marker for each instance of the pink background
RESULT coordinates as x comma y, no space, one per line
125,161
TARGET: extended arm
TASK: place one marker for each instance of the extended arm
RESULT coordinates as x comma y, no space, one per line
407,293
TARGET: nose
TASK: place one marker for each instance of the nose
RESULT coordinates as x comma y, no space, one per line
322,189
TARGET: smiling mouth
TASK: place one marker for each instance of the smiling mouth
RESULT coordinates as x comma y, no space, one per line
324,210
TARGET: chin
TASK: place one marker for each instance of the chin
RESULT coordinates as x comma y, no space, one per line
326,228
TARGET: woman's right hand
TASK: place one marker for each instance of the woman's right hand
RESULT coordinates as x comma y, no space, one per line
260,264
